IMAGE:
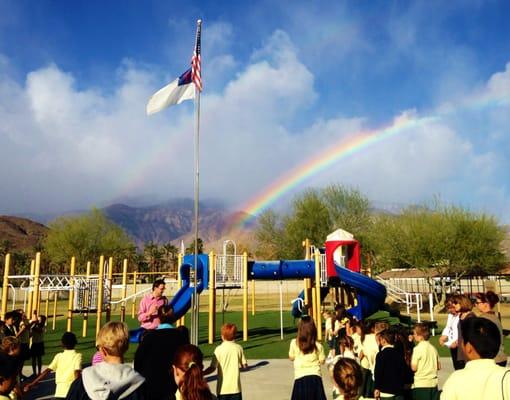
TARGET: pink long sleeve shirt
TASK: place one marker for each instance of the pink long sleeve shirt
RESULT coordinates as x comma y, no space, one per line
150,321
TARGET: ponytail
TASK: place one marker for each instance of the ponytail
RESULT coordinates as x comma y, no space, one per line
189,359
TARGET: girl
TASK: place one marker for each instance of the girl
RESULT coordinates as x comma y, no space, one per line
329,334
188,369
346,345
307,355
348,379
37,350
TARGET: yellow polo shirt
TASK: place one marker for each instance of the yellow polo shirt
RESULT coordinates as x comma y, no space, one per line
479,380
64,364
426,358
228,357
306,364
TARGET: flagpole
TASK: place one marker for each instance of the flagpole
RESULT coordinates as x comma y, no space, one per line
195,302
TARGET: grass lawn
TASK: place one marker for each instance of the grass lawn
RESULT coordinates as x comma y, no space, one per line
264,335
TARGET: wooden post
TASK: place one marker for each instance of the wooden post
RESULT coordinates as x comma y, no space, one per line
308,281
5,286
133,306
47,304
314,305
212,297
110,290
100,294
31,290
86,302
124,290
318,315
70,304
54,321
253,297
245,296
37,274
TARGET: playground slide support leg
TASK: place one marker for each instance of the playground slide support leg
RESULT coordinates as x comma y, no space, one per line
212,297
124,289
86,301
71,296
110,289
133,306
5,286
30,291
37,274
245,296
318,315
100,294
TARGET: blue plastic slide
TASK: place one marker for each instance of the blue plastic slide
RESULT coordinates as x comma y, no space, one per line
297,309
370,293
181,302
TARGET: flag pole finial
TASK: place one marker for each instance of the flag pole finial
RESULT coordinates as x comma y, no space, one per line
199,21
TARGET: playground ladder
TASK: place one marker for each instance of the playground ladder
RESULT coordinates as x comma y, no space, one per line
229,270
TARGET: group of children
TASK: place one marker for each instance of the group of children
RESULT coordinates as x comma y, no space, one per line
109,378
382,362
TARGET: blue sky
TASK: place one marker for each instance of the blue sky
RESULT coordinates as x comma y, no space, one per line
283,80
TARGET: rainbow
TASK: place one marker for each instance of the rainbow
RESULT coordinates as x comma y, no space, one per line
340,150
355,143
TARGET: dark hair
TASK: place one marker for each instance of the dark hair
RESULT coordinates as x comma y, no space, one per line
482,334
388,336
8,370
166,314
347,342
16,316
340,312
490,298
422,329
229,331
184,331
190,360
359,324
69,340
348,377
307,335
158,282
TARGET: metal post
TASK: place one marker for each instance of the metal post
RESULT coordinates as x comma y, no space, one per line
70,305
212,297
245,296
281,310
54,321
37,293
100,294
110,290
86,303
133,306
318,316
5,286
124,290
253,297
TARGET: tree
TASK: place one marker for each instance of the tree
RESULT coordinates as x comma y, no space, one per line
191,248
170,252
86,237
451,240
309,218
268,236
154,256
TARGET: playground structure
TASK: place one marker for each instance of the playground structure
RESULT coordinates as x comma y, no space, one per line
335,270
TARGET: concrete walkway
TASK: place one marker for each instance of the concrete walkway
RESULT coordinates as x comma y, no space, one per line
265,379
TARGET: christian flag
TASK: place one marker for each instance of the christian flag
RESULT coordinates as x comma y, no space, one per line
183,88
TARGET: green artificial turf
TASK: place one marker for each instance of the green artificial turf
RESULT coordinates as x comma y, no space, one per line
264,340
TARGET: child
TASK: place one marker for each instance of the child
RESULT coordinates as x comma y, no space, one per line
8,375
329,334
67,367
348,379
188,374
228,357
307,355
37,350
425,364
482,378
390,368
110,379
11,347
346,345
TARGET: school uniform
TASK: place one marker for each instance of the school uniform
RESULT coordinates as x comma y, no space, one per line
426,358
390,373
307,373
228,357
65,364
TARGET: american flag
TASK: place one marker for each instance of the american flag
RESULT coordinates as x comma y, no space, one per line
196,74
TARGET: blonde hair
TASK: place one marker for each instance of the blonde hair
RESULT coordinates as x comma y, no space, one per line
113,337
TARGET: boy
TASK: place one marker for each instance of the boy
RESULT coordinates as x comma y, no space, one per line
8,375
425,364
390,368
67,367
228,356
481,378
110,379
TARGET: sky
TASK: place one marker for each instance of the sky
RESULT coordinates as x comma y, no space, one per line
283,82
